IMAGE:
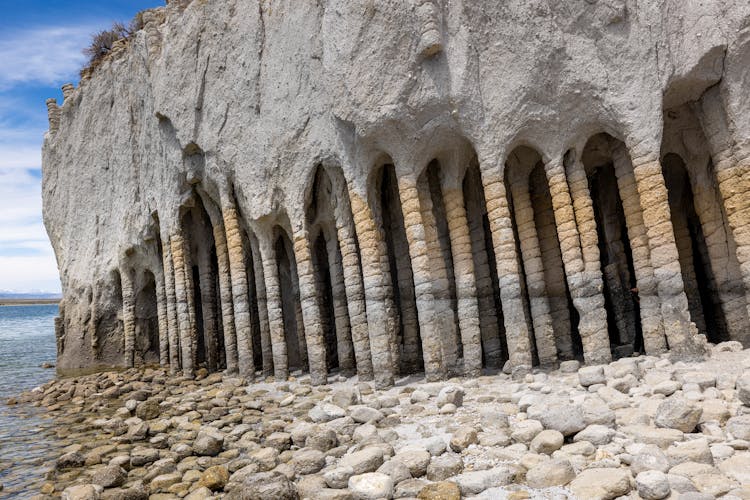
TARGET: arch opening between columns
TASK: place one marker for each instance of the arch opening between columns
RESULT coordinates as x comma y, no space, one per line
290,303
615,211
409,341
697,270
146,322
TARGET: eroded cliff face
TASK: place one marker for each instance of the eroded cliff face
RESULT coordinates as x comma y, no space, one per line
388,186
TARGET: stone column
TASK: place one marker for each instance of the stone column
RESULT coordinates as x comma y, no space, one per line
466,289
53,115
531,255
651,320
313,325
225,293
208,308
174,328
275,312
373,278
128,315
584,282
429,328
681,333
163,319
508,273
429,19
260,293
490,312
441,273
344,346
241,306
355,293
182,293
732,166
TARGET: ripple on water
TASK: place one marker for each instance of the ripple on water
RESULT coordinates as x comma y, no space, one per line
27,442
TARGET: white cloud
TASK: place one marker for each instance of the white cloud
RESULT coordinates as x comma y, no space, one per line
27,273
45,55
27,261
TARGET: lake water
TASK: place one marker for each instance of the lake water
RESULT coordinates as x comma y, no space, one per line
27,339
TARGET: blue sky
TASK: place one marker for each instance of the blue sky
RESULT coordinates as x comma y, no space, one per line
40,49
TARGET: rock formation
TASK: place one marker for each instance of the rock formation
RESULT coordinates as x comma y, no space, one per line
388,187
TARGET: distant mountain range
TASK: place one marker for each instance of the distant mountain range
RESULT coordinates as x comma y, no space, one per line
10,294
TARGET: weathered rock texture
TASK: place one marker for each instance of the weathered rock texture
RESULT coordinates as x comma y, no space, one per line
389,187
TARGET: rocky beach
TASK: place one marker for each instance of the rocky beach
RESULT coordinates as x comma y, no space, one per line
641,427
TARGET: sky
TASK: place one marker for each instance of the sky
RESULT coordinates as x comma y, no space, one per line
41,44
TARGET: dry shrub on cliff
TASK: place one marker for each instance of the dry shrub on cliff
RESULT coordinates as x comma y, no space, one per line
103,41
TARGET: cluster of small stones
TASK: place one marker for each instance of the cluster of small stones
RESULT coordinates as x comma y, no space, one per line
640,428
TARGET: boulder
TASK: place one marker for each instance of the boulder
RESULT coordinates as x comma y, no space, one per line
547,442
109,476
416,460
451,394
739,427
602,483
444,490
471,483
652,485
558,415
554,472
743,388
214,478
367,460
463,438
326,412
263,486
678,413
209,442
371,486
591,375
445,466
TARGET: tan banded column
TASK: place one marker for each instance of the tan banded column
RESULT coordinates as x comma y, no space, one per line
275,312
162,318
508,273
654,339
681,333
355,293
208,309
242,320
260,293
128,316
311,316
432,348
531,255
344,345
182,293
373,279
174,328
466,289
227,303
585,283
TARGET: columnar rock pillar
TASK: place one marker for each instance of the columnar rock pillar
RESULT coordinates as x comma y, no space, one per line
432,348
508,273
241,304
275,312
67,90
128,315
439,273
584,283
53,115
313,325
162,318
732,166
355,293
681,333
225,294
544,333
466,288
183,293
344,346
208,308
260,297
174,329
373,278
429,18
651,317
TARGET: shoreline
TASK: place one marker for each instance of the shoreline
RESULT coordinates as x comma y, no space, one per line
29,302
573,432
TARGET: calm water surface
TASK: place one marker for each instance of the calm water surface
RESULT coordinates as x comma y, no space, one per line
27,339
